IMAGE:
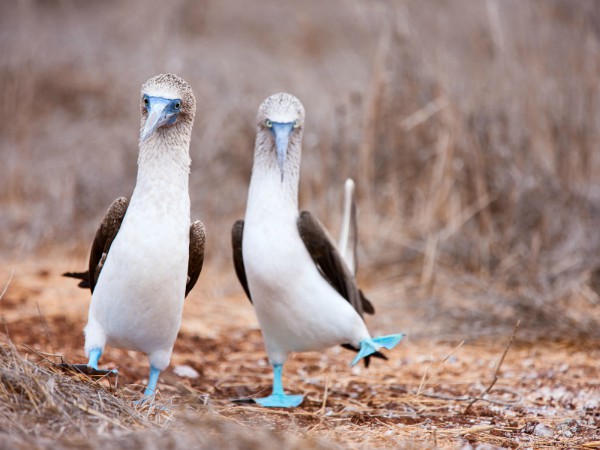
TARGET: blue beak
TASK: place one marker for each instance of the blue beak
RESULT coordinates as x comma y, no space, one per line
282,132
161,112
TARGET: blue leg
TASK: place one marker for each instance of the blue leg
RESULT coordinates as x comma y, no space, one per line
152,381
278,398
369,346
151,388
95,355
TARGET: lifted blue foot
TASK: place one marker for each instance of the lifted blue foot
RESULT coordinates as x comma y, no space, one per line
278,398
370,346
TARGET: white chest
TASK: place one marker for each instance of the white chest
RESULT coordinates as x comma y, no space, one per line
140,292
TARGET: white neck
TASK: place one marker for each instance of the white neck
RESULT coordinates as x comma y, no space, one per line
163,161
268,192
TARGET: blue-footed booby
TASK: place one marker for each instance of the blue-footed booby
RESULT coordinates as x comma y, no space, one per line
146,257
304,293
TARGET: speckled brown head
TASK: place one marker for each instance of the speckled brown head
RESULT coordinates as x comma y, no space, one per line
281,108
167,104
280,121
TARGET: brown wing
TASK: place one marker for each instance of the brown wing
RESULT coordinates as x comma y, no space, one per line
104,238
330,263
196,258
237,235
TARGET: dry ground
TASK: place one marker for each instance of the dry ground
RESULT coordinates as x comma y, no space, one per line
547,394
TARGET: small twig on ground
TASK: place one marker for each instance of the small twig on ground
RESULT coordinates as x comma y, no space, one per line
491,385
45,356
322,409
467,398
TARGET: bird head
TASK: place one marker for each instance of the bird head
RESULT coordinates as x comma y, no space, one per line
166,101
281,120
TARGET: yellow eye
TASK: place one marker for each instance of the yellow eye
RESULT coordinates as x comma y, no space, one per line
296,123
268,123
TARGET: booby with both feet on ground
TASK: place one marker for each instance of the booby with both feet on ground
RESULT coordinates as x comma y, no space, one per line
146,257
304,294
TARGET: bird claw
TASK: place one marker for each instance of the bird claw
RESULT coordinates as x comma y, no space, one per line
148,402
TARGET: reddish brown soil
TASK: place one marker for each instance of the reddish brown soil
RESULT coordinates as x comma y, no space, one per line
547,394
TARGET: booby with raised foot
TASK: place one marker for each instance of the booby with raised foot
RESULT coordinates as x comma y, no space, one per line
303,290
146,257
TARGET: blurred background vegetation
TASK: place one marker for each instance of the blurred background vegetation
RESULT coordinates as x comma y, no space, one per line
470,127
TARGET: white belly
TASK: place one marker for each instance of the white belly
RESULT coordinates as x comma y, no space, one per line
297,308
139,296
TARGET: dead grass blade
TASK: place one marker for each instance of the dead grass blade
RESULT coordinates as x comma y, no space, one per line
496,376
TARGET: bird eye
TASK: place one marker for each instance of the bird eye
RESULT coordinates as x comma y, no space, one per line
268,123
177,105
146,101
296,123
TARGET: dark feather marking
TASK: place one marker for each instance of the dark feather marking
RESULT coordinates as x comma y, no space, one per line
196,258
104,238
330,263
237,235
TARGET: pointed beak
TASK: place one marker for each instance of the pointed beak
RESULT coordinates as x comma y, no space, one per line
282,133
159,114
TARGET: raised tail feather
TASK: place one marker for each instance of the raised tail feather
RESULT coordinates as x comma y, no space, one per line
348,232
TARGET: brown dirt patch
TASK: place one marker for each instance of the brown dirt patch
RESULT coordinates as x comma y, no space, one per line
548,392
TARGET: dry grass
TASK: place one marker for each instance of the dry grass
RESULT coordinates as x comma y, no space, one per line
43,408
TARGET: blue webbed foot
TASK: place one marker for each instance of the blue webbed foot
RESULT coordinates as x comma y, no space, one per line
280,401
278,398
370,346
